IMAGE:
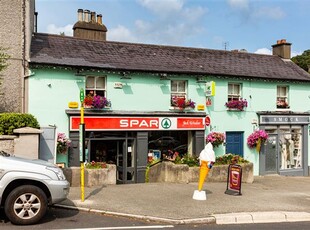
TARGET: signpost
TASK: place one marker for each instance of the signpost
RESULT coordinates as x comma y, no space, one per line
234,179
82,144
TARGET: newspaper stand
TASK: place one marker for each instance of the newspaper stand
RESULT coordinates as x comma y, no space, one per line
234,180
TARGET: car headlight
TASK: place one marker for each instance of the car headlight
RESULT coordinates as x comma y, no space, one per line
59,173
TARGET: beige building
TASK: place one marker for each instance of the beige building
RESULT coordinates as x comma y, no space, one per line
17,24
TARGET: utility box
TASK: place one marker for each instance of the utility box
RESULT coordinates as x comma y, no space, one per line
27,143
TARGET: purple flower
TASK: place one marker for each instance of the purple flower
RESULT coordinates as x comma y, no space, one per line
237,104
255,136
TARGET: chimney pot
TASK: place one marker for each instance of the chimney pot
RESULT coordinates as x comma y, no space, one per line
99,19
93,17
86,15
80,15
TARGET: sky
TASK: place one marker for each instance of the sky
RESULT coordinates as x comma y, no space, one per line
253,25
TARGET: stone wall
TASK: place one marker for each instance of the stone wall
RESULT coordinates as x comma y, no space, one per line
7,143
92,177
178,173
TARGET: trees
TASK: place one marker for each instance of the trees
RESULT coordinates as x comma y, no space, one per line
303,60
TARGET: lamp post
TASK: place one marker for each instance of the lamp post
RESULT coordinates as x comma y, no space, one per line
82,143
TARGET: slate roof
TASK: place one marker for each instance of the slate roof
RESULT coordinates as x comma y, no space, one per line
49,49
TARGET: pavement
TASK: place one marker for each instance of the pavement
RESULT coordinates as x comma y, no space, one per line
268,199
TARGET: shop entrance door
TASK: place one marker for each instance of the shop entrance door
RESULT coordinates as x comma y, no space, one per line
269,159
125,162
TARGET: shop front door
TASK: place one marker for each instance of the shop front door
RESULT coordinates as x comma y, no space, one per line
270,155
125,162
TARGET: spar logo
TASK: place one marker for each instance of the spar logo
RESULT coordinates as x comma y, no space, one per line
166,123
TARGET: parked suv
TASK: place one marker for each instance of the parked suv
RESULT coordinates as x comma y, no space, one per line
27,187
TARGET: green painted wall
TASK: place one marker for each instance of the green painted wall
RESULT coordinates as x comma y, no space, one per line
50,90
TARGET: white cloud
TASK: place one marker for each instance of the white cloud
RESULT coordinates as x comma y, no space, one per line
172,22
120,33
162,6
269,52
295,53
239,4
53,29
273,13
263,51
250,11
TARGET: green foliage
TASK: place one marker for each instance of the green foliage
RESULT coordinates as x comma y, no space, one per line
303,60
3,59
229,158
191,161
225,159
11,121
96,165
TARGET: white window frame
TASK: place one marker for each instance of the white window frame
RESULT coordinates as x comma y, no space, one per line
96,89
283,97
234,96
178,92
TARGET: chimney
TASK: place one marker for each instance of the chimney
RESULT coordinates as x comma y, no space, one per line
88,28
80,15
86,15
99,19
282,49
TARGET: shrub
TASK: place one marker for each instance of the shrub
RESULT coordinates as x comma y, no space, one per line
191,161
229,158
11,121
225,159
96,165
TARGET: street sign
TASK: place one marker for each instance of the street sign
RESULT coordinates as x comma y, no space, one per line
208,121
82,95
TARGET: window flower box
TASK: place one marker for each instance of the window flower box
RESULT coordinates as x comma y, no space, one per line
181,104
96,102
282,104
236,105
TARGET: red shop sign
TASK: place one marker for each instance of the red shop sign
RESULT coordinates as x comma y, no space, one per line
138,123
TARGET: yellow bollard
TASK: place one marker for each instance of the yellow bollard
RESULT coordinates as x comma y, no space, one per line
82,183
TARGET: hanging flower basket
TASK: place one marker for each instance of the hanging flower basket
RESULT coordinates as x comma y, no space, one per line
63,143
238,105
215,138
256,139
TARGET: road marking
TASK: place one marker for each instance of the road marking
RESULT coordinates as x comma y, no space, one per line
125,227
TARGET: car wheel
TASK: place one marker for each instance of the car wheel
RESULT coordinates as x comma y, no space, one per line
26,204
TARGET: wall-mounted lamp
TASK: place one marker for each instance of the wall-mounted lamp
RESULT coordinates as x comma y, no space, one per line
79,73
163,76
201,80
125,75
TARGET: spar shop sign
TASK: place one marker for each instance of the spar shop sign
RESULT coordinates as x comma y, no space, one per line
139,123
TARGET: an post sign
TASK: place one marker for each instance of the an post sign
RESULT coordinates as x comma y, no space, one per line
210,88
82,95
234,179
